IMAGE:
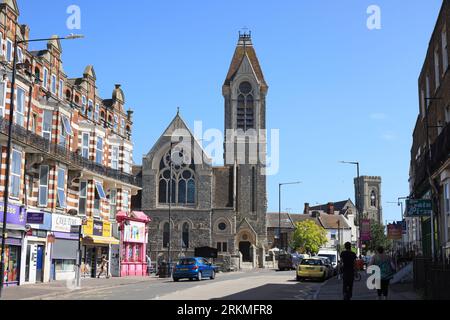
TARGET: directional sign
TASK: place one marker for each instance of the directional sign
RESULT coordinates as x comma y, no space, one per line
418,208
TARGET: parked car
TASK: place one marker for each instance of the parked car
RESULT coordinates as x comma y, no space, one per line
332,255
194,269
330,268
285,262
312,268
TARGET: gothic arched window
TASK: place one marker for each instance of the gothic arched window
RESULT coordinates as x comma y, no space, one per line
245,110
185,235
166,233
181,187
373,199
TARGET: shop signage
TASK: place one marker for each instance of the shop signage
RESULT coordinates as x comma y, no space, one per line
98,228
15,214
35,217
365,230
134,232
418,208
395,231
106,229
62,223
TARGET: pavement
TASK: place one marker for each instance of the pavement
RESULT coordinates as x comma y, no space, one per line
332,290
60,288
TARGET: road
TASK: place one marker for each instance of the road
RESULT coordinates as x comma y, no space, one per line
254,285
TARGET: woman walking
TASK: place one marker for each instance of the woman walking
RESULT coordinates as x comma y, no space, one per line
387,269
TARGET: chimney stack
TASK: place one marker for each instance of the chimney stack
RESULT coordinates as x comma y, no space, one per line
330,210
306,211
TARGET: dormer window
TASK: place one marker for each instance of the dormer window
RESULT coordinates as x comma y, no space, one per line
9,50
53,84
90,108
84,103
245,110
116,123
96,112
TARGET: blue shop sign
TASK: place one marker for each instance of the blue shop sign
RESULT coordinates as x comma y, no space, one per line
39,220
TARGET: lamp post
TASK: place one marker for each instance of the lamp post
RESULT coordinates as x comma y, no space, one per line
279,209
9,145
358,197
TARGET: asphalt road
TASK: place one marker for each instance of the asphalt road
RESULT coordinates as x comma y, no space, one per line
255,285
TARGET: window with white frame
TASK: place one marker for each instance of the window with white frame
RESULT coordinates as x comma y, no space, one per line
126,161
125,200
61,88
61,195
19,55
20,109
122,126
47,124
99,196
45,81
83,105
116,123
444,50
99,151
90,108
85,145
82,201
96,112
16,169
43,185
437,71
112,204
53,84
115,158
2,98
9,50
65,132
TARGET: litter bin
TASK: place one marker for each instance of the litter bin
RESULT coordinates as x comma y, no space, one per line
164,270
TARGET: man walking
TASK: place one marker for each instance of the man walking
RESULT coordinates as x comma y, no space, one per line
348,259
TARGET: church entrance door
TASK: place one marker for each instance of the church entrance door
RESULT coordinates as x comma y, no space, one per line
244,248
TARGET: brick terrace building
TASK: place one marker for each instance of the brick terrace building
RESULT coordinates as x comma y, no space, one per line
71,159
430,163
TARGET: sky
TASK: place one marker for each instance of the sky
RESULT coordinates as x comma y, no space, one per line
338,91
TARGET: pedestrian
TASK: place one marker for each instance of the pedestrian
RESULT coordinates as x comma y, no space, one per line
103,267
348,258
387,269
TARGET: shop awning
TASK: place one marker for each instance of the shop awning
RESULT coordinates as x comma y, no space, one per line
102,240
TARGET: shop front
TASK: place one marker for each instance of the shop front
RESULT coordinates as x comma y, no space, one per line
97,243
64,250
134,237
15,229
38,263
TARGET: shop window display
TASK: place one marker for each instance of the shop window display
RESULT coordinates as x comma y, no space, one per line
12,256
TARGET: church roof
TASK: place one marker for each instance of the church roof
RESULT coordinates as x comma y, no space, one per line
245,48
338,206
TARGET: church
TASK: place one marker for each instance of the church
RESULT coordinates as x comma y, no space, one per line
194,204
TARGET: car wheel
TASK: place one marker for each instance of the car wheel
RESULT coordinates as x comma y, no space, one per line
299,279
213,275
199,276
176,279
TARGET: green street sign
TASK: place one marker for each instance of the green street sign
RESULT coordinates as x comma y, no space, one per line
418,208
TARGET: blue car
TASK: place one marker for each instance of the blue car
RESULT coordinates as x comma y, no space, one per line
194,269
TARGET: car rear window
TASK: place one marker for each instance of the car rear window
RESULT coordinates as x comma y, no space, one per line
310,262
186,262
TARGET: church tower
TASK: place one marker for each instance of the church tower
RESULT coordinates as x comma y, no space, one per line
245,91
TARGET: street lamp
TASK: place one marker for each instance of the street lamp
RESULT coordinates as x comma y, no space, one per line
358,196
9,146
279,208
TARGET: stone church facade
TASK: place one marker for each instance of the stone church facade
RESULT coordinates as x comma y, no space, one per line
222,207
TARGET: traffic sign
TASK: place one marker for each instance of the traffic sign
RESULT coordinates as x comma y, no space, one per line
418,208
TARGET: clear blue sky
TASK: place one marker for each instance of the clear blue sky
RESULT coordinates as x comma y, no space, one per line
338,91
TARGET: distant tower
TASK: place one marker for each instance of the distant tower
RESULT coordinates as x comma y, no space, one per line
369,200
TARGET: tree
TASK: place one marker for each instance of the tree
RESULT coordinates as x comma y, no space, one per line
377,237
308,237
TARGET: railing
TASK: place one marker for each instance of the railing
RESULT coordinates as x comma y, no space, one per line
432,279
62,154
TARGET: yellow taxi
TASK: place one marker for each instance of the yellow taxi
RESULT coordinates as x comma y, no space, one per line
312,268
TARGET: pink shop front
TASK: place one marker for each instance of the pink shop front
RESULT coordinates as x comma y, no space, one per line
133,243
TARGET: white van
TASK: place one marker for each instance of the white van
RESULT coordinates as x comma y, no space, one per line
330,254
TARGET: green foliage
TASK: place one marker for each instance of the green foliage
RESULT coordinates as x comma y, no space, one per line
308,237
378,237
